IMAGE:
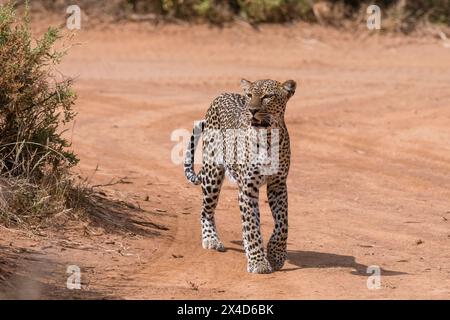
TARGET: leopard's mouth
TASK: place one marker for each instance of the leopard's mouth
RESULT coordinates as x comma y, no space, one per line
261,120
256,123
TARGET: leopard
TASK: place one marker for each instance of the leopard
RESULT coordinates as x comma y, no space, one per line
234,123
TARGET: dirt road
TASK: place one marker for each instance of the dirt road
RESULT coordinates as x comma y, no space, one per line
370,174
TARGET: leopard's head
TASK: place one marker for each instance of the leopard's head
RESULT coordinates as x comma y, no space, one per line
266,100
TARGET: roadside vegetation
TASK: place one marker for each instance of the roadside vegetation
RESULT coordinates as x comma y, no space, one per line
403,15
37,104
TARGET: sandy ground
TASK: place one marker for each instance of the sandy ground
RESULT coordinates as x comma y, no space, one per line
369,181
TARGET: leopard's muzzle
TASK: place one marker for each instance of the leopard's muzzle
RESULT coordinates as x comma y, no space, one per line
259,119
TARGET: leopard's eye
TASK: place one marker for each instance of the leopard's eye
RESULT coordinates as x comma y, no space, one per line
249,95
268,96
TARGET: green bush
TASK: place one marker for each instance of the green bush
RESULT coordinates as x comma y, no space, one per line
220,11
34,102
276,10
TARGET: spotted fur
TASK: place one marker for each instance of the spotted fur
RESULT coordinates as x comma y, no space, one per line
262,106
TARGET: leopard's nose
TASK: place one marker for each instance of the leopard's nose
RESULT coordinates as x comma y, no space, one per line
253,111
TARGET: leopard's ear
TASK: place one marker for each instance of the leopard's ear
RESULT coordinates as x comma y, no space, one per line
245,84
289,86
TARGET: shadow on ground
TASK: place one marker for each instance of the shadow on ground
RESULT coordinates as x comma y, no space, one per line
116,216
313,259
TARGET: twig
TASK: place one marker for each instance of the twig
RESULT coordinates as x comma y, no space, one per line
112,183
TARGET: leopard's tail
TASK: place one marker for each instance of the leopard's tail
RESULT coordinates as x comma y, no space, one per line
189,171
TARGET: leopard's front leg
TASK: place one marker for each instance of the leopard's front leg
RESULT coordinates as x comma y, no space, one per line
253,243
212,179
278,201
